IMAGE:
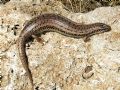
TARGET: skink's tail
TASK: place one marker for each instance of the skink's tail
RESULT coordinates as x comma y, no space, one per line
24,59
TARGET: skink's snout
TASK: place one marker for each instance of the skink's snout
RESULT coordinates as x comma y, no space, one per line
106,27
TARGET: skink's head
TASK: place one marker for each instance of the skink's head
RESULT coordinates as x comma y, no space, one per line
105,27
102,27
98,28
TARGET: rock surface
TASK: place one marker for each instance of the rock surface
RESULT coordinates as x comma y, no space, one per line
61,63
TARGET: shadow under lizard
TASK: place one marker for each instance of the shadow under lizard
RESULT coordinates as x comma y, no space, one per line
54,23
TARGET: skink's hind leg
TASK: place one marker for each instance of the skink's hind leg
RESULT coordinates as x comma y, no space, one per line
39,39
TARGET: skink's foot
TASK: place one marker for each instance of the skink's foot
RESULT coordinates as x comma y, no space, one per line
40,40
86,39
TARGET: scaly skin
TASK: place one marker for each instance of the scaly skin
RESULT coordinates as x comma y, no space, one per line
55,23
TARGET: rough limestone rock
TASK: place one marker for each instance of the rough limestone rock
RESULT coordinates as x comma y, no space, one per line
63,63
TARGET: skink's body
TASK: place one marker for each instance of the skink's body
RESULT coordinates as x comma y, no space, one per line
54,23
